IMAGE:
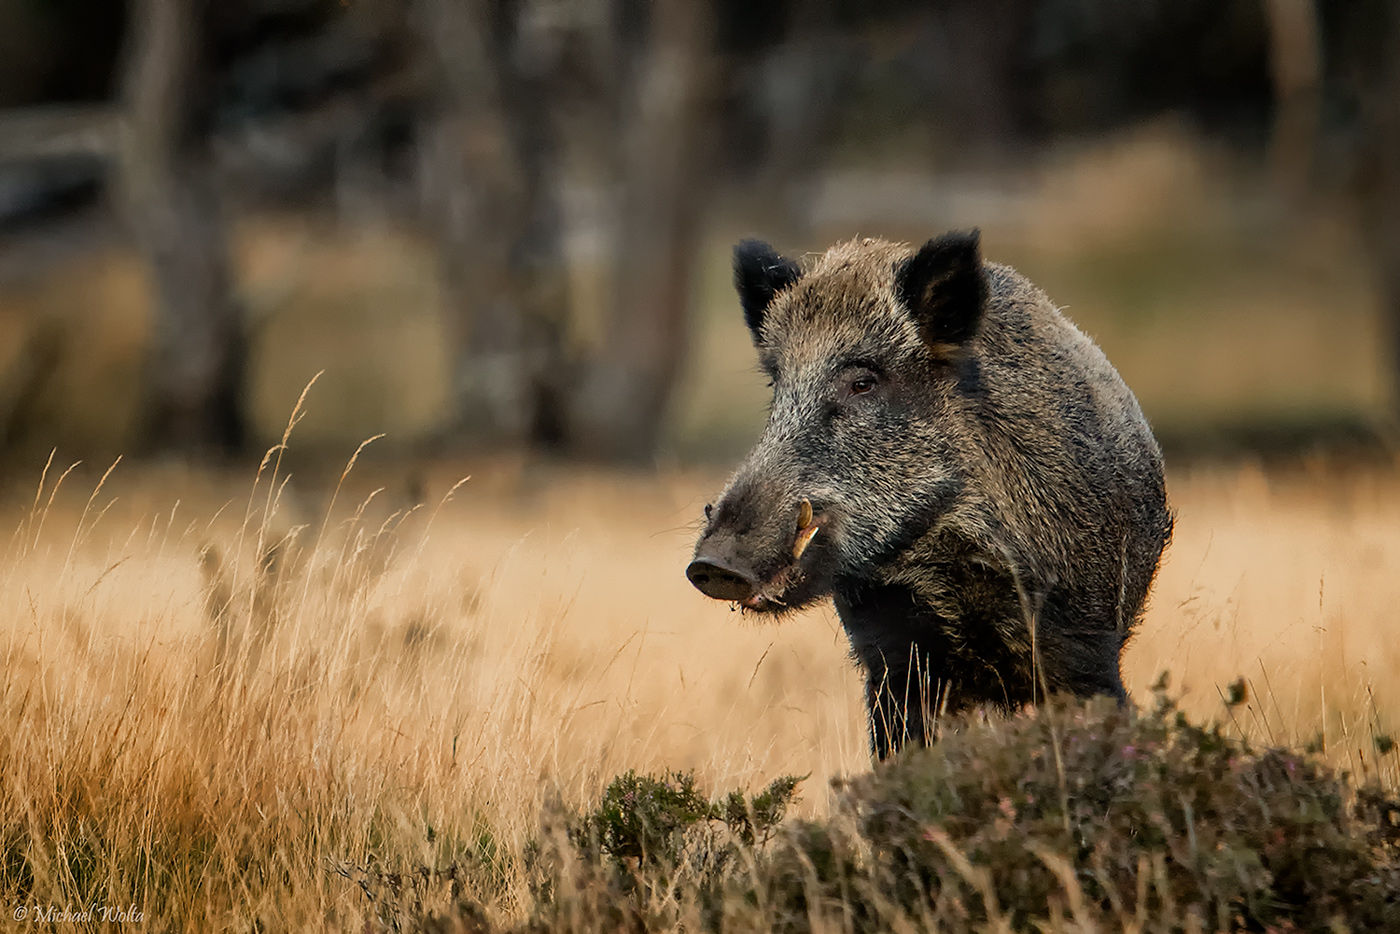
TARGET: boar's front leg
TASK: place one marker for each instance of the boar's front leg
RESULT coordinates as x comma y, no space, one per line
902,697
904,654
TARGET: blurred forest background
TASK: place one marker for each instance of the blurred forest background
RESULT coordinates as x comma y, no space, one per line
505,225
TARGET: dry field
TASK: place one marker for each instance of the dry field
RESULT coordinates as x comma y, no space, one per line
221,688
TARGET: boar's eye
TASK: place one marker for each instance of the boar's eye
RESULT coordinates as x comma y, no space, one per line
857,378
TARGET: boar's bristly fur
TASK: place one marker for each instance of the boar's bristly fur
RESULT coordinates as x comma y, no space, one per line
951,461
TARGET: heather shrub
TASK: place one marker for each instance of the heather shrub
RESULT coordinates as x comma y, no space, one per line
1069,817
1100,815
655,851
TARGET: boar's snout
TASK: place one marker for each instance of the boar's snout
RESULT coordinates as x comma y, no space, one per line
750,556
720,579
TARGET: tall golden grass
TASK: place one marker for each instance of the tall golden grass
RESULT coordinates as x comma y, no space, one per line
221,690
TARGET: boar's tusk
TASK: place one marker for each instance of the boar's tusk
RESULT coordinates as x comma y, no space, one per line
805,529
804,538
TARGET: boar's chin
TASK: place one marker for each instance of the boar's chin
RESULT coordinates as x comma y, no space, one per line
787,594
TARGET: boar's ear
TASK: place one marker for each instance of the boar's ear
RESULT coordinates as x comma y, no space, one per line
945,289
760,273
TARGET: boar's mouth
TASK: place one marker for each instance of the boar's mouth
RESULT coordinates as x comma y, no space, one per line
722,570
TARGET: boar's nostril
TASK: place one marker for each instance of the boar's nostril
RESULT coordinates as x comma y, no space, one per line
719,581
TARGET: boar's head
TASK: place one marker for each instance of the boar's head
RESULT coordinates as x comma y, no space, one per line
871,352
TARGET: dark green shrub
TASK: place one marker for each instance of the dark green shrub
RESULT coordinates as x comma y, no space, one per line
662,842
643,818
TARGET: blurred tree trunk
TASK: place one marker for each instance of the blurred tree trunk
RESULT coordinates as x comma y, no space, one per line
491,200
1380,189
618,410
524,86
194,367
1295,65
799,82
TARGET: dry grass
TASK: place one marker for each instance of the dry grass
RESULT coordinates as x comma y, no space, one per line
219,691
1290,581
